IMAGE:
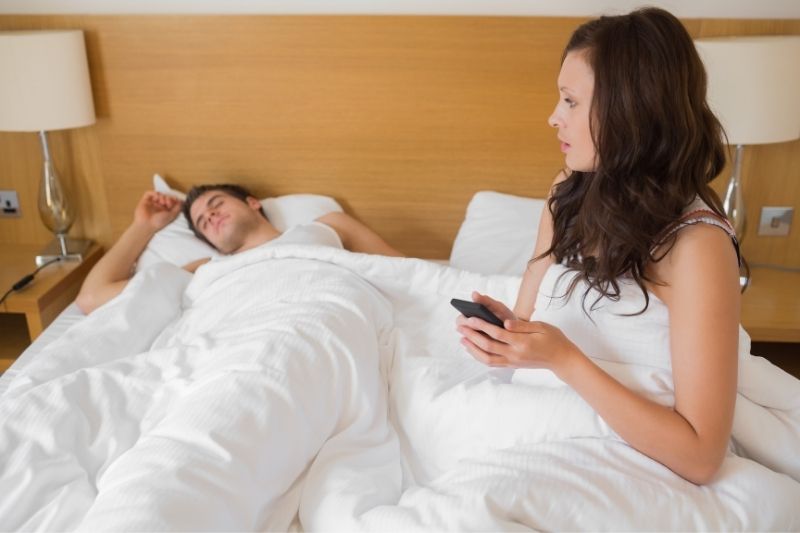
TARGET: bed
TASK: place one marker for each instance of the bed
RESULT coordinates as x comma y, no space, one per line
178,418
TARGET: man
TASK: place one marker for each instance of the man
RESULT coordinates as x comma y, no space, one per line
225,216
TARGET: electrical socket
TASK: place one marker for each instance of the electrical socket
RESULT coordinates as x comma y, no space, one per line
775,221
9,204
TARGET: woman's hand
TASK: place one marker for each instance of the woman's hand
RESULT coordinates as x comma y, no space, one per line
497,308
520,344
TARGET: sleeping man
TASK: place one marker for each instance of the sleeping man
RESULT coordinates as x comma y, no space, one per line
230,398
228,218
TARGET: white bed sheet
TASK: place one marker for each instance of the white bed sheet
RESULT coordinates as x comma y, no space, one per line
482,453
70,316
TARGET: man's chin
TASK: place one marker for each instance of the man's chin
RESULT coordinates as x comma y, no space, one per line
225,248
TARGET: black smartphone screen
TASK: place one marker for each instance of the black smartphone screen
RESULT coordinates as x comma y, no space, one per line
470,309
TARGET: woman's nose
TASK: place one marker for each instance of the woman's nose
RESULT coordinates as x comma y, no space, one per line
552,120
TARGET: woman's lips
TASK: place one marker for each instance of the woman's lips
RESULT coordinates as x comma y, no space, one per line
564,146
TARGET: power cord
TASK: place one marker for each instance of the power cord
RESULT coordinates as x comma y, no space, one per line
25,281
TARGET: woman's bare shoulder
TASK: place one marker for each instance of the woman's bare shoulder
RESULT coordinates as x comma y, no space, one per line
702,254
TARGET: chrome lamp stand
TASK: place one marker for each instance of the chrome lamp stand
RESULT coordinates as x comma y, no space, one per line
733,203
734,208
57,214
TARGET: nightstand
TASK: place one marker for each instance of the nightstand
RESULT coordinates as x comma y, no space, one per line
771,306
54,287
771,315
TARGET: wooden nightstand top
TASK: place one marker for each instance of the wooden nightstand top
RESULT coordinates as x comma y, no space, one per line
771,306
52,289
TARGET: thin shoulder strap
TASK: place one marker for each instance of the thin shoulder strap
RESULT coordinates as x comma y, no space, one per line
702,216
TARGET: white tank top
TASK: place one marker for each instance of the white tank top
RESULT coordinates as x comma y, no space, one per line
315,233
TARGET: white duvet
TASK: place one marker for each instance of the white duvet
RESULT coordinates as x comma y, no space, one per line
256,398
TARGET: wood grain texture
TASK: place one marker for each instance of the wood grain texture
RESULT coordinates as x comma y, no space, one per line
54,287
771,307
401,119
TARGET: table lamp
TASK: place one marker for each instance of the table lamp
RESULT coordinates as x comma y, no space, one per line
45,86
754,89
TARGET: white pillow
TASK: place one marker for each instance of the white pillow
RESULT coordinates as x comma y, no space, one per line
177,244
498,234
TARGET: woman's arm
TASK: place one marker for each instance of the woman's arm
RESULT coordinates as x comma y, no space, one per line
532,278
703,299
111,273
356,236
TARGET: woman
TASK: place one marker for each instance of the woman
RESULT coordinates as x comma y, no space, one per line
633,209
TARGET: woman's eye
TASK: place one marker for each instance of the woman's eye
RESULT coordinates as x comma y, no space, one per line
570,102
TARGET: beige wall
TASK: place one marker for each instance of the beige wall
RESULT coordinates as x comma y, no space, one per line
400,118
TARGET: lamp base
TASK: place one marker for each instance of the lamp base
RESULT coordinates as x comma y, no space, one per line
734,200
76,251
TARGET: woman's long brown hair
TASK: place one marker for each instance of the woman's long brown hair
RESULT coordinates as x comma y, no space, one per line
658,147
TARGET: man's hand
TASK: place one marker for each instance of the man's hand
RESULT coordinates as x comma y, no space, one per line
111,273
156,210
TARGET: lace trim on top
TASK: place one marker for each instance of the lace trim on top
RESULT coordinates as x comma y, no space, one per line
698,216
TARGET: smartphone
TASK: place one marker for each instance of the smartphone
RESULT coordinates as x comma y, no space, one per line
470,309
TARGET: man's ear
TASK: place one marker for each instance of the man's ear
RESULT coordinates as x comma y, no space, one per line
253,202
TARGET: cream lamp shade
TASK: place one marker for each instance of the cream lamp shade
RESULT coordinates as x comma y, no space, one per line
754,90
45,81
45,86
754,86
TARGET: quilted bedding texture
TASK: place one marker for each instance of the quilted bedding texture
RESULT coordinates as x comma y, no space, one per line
306,387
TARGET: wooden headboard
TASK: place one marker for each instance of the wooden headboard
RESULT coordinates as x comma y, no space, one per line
401,119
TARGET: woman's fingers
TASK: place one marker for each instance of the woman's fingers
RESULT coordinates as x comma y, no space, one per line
479,335
495,332
499,309
483,356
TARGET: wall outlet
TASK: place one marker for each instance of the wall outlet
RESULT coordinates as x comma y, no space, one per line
9,204
775,221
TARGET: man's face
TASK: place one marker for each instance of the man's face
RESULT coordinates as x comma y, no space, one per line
224,220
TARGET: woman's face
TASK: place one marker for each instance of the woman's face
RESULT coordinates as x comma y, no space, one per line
571,115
